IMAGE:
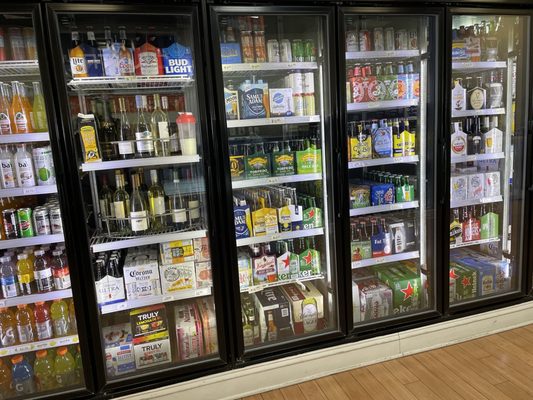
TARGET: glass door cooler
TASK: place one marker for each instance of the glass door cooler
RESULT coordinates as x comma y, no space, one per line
389,94
489,92
274,84
39,351
137,129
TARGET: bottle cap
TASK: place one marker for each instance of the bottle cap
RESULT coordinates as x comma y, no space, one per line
22,256
38,252
186,118
62,351
57,252
21,306
39,303
17,359
41,354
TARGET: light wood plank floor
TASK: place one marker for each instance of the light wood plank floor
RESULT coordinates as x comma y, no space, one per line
496,367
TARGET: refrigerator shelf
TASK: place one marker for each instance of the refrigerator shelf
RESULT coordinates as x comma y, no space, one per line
478,157
101,243
25,138
383,208
484,200
258,288
31,241
280,236
129,82
274,180
382,161
130,304
245,69
385,259
43,344
17,192
48,296
474,243
382,105
478,66
364,55
19,68
242,123
139,162
476,113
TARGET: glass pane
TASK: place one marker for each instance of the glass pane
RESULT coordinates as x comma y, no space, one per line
37,319
136,120
487,154
390,124
275,72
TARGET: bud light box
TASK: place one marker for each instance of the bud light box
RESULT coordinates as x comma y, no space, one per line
230,53
118,349
177,61
141,275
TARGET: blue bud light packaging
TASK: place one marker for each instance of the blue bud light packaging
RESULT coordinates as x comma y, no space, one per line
177,60
381,242
254,99
242,219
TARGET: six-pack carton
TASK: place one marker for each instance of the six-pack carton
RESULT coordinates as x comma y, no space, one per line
118,347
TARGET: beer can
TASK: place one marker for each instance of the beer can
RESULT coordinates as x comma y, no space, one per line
247,47
260,47
41,221
285,52
296,82
379,43
308,83
365,43
297,50
413,40
309,103
389,38
309,50
401,40
298,102
9,217
273,50
55,220
25,223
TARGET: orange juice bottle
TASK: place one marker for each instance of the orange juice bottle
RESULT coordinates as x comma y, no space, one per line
20,111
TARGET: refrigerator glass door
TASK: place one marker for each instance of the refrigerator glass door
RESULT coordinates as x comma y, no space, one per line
390,124
39,352
137,124
276,95
488,140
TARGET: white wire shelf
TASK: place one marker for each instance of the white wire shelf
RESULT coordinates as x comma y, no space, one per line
381,105
383,208
31,241
25,138
242,123
129,82
139,162
274,180
364,55
148,301
475,113
43,344
409,255
478,157
27,191
266,68
484,200
382,161
33,298
474,243
478,66
101,243
258,288
19,68
280,236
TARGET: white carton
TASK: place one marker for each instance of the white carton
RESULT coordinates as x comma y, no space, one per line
177,251
141,276
475,186
281,104
206,307
201,249
118,349
204,277
458,188
150,352
176,277
189,331
492,184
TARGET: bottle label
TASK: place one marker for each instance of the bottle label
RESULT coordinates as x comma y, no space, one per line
9,286
139,221
44,330
78,66
5,124
21,122
148,63
25,172
194,209
25,279
110,290
477,99
44,280
61,326
7,336
120,211
179,215
158,205
110,55
25,333
125,62
144,142
163,129
8,177
310,317
61,278
126,147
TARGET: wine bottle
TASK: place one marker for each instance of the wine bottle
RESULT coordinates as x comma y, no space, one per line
160,127
106,205
121,204
126,147
177,205
138,210
143,132
156,200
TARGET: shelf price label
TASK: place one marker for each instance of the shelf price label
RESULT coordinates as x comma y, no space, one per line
255,67
31,190
276,120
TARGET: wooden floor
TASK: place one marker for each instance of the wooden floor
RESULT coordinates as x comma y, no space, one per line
497,367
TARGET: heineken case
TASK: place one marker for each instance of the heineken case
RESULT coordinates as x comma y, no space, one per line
463,282
405,285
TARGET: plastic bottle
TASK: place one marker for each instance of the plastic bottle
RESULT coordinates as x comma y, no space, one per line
43,321
6,380
72,317
8,278
42,272
45,376
60,318
79,365
60,270
65,367
8,328
25,324
25,275
22,375
24,171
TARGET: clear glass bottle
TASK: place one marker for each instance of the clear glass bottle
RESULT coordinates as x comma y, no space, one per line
126,145
121,204
160,129
156,201
143,130
139,221
177,204
105,199
108,133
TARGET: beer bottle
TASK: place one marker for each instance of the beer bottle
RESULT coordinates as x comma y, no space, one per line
272,329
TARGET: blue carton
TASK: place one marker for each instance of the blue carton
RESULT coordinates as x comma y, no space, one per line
382,193
230,53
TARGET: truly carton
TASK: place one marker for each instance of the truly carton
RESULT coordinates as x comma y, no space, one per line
273,300
141,275
177,251
118,348
148,320
177,277
307,315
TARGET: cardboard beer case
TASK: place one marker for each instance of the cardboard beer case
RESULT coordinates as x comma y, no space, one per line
118,348
206,307
296,295
177,277
189,331
273,299
375,299
141,275
463,282
177,251
204,276
405,286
